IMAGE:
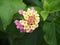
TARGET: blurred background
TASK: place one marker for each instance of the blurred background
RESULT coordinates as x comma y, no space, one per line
48,32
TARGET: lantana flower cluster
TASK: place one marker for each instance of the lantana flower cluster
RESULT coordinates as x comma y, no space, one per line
30,21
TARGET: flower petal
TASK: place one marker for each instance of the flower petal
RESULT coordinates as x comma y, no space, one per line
17,22
20,12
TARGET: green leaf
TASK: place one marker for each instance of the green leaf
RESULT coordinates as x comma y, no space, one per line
8,8
44,15
50,33
38,9
0,25
57,24
36,2
51,5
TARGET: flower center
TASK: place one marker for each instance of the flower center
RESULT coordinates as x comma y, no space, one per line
31,20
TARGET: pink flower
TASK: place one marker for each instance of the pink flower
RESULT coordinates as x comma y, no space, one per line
20,11
17,27
32,8
21,27
17,22
22,30
31,31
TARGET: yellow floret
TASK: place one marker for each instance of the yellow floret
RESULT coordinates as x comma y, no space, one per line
23,22
37,18
33,27
32,12
24,13
26,17
29,13
36,15
36,25
27,30
35,12
26,26
28,9
37,21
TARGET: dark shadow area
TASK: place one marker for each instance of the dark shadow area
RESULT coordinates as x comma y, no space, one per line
3,38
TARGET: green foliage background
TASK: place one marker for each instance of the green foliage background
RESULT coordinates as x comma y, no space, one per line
48,32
